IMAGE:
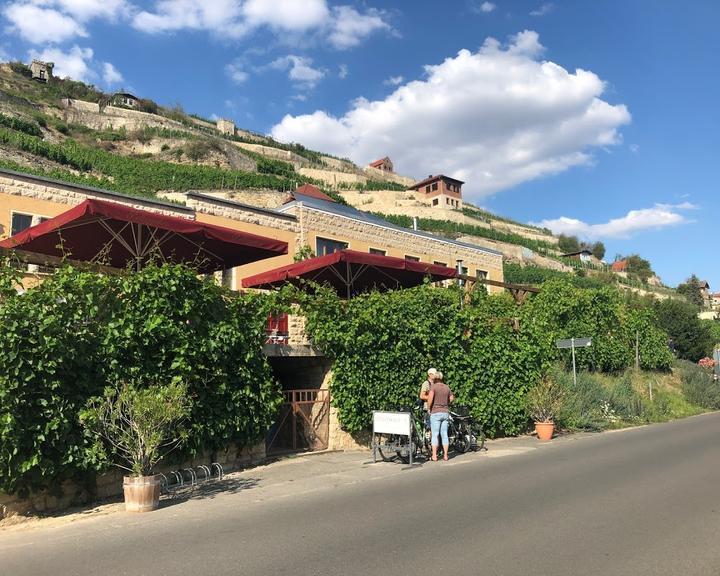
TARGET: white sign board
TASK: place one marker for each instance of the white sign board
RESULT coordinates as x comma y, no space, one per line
391,422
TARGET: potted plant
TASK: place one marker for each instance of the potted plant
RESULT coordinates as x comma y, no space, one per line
141,426
543,403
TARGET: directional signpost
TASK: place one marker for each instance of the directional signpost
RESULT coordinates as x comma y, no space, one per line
573,343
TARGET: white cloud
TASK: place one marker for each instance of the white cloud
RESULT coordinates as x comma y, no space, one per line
286,14
545,8
655,218
300,70
343,26
236,72
393,81
56,21
111,75
494,118
40,25
349,27
85,10
75,63
225,17
342,71
486,7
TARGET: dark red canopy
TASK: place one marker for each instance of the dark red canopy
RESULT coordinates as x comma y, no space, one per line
349,272
115,234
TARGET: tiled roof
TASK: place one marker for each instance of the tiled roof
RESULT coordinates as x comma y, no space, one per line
313,192
359,215
430,179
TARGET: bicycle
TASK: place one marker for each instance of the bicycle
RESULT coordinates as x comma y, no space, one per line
467,433
392,446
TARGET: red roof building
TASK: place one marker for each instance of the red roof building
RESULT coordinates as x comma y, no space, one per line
311,191
444,192
619,266
384,164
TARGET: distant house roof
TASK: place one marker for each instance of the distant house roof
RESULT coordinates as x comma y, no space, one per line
431,178
619,266
380,162
310,191
704,284
358,215
571,254
125,95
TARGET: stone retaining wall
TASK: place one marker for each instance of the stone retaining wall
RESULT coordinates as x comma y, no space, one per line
109,484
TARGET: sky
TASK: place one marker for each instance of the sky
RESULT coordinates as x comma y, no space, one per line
598,119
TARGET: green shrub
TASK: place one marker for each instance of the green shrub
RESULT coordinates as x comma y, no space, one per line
20,125
140,424
586,405
698,385
383,343
67,339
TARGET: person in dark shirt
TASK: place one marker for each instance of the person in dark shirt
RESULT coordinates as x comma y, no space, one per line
439,400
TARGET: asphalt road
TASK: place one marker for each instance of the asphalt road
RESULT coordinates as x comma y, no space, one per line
643,501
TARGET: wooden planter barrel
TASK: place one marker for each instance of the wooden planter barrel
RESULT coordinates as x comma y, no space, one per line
142,493
544,430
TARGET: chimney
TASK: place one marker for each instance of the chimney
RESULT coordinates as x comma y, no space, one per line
415,223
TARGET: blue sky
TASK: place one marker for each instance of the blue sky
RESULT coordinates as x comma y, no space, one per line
594,118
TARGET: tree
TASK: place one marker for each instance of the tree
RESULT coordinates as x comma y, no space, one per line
692,290
639,267
598,250
568,244
691,338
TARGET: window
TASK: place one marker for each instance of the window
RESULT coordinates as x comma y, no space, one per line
412,258
427,188
437,263
481,274
435,202
378,252
325,246
20,222
434,186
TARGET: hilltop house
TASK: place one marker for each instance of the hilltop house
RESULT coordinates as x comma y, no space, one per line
124,99
384,165
225,126
705,292
584,256
41,71
440,191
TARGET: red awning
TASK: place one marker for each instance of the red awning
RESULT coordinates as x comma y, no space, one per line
349,272
115,234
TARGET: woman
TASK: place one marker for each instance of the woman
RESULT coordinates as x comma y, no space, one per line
439,400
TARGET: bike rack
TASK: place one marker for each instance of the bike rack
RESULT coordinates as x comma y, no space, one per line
174,480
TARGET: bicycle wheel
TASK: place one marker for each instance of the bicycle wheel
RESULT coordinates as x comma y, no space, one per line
463,441
406,447
477,431
383,441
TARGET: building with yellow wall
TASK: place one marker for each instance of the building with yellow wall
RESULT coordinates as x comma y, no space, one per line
322,225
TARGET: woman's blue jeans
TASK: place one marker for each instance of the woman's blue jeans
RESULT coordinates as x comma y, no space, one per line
439,425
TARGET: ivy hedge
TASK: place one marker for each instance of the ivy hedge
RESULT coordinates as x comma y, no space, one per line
490,350
67,339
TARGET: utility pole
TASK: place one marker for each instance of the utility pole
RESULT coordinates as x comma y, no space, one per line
637,353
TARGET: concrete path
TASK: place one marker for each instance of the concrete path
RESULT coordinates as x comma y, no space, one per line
640,501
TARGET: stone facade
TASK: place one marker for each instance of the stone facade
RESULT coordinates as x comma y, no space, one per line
41,71
382,175
109,485
276,153
332,178
226,126
113,117
64,195
318,223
